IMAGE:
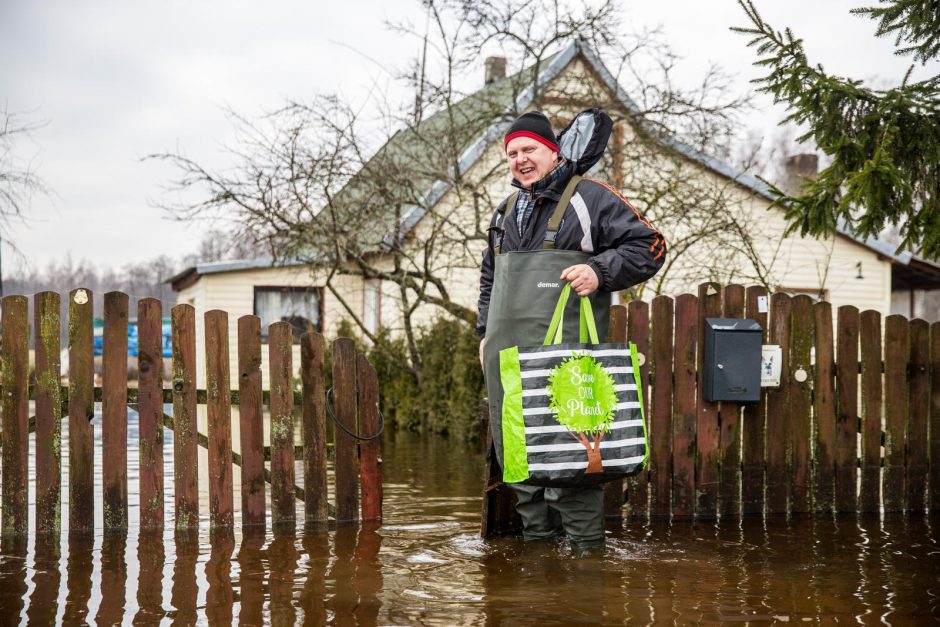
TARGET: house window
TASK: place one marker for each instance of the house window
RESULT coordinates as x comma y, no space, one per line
371,305
302,307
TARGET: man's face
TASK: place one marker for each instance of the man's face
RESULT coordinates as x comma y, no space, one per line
529,160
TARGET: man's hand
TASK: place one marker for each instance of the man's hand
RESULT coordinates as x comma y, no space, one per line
582,278
482,342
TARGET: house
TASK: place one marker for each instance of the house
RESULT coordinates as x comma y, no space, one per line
842,270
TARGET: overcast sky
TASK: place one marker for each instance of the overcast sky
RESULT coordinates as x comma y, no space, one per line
117,80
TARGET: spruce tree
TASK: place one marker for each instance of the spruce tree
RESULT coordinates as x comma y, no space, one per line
884,145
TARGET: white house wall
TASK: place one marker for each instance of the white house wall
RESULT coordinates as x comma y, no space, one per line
233,292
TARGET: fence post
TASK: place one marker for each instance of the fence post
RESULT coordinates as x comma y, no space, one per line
48,412
251,421
313,415
778,413
344,408
498,514
150,369
185,466
81,412
869,497
15,406
369,451
933,487
661,412
916,480
846,456
802,337
824,410
753,421
283,511
218,402
683,422
729,491
613,490
707,430
638,332
114,411
897,354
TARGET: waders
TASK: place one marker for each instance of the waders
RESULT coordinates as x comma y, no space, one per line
526,287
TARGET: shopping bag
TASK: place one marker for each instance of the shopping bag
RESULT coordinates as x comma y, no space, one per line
572,413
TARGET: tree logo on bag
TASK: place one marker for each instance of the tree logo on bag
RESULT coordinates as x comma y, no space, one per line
582,397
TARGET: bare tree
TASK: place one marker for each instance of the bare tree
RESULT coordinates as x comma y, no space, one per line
145,279
221,244
354,190
19,182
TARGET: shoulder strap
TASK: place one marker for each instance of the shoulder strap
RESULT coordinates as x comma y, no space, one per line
552,231
510,203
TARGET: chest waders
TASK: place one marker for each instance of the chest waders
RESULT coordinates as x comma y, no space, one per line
526,287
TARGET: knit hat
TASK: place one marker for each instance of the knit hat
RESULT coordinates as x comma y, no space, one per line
535,125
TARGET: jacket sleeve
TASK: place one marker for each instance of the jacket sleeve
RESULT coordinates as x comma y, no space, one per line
486,286
630,249
486,273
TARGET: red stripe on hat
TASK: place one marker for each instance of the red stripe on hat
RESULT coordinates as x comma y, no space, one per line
530,135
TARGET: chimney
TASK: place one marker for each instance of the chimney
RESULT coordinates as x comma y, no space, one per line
495,69
796,169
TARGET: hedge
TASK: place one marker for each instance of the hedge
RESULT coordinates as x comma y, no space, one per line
443,396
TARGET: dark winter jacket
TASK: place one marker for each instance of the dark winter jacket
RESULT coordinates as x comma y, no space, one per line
626,249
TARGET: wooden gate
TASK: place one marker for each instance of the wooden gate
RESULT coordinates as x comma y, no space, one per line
853,427
355,405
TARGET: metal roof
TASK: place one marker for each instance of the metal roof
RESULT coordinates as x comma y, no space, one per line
215,267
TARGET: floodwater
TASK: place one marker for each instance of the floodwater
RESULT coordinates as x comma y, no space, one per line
427,566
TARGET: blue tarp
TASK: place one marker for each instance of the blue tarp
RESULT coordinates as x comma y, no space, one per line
132,338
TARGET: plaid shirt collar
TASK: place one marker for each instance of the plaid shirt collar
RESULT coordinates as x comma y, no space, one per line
525,203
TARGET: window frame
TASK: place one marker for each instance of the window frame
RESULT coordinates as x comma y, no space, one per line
375,284
319,290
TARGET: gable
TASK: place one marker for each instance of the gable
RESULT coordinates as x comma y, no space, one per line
571,80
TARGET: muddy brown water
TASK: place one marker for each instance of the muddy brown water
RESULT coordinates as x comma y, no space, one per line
427,566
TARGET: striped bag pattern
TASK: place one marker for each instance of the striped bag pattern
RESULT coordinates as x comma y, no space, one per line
538,450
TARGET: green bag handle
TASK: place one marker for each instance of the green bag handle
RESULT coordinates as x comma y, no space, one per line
588,329
587,321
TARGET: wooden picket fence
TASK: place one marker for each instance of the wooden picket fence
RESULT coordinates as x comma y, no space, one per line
859,433
355,402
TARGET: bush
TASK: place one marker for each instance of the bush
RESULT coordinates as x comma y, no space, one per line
444,396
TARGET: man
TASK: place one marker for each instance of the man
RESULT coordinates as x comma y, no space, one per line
572,229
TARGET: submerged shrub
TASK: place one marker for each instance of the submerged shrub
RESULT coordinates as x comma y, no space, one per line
443,394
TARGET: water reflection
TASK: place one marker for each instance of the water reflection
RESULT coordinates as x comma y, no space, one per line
426,565
847,570
13,552
282,557
316,547
43,603
113,578
220,596
251,570
151,558
184,588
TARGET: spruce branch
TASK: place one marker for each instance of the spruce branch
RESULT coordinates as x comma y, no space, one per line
914,23
884,145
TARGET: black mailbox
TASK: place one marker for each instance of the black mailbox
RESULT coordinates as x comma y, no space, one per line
732,359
